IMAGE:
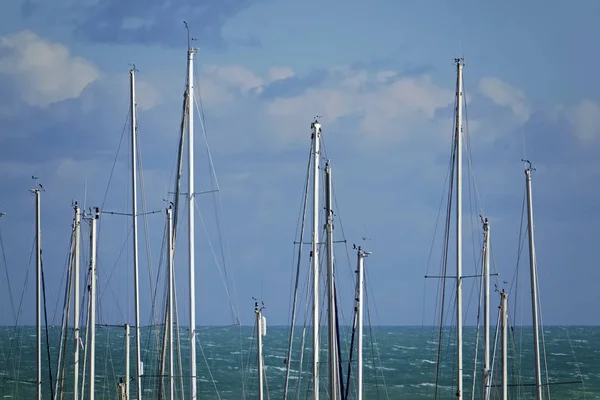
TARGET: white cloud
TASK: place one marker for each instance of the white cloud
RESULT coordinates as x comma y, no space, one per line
233,77
585,120
279,73
506,95
45,71
385,109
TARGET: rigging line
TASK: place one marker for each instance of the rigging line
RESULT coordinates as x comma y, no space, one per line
10,295
123,246
145,219
449,175
212,378
479,305
520,247
62,279
115,160
177,333
301,216
541,323
370,298
216,182
442,284
576,362
469,155
17,359
222,232
223,279
211,163
340,371
64,331
308,293
46,324
516,360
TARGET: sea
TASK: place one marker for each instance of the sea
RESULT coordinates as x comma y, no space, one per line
399,363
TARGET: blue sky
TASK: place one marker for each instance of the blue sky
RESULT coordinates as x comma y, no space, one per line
382,76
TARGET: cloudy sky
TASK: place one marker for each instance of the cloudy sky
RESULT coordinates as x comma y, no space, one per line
380,74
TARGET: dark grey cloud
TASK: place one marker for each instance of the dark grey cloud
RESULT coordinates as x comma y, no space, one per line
152,22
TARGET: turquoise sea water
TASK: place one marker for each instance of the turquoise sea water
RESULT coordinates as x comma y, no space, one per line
399,363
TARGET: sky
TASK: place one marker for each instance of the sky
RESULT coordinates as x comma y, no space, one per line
381,76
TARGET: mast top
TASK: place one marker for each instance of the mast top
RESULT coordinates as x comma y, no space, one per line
316,125
191,50
460,61
258,308
530,166
38,186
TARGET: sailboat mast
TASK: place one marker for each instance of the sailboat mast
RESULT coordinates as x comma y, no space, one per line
170,318
138,351
458,138
38,298
259,335
77,232
127,357
332,346
316,135
534,296
486,306
191,210
359,318
503,309
92,371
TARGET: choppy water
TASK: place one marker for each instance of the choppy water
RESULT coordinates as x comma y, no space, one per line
399,363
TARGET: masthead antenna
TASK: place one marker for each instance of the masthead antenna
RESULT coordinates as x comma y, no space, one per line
530,165
187,28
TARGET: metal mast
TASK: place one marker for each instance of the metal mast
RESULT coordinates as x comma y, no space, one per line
170,319
77,233
138,350
359,316
332,348
190,104
486,306
38,299
316,135
127,357
534,296
503,310
458,138
92,372
260,332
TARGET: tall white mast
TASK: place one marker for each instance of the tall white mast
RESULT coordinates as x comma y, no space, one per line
503,309
332,347
138,350
77,232
458,138
191,209
260,331
170,319
486,307
92,372
359,317
534,297
127,357
316,136
38,298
